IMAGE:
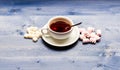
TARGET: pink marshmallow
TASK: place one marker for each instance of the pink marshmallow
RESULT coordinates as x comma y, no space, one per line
82,37
97,38
93,40
85,33
98,32
90,29
82,30
92,35
86,40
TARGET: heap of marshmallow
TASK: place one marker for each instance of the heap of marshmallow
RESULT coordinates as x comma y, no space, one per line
33,33
90,35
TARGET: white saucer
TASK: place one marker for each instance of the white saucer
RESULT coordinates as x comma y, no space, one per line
61,43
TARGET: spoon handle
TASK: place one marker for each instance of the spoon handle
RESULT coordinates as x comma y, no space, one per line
76,24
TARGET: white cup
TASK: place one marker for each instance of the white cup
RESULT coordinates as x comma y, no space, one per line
56,34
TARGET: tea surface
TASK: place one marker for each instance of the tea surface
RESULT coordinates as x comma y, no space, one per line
60,26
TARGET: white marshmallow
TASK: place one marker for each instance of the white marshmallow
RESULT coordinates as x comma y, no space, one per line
32,28
38,34
35,39
30,32
28,36
34,33
39,30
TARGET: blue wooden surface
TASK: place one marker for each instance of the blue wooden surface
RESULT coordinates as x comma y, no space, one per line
62,7
17,53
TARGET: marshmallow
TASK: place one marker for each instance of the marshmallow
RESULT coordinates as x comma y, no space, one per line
90,29
85,33
28,36
85,40
97,38
98,32
93,40
35,39
82,37
90,35
38,34
32,28
30,32
82,30
34,33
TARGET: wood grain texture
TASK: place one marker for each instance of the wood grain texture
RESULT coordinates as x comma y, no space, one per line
17,53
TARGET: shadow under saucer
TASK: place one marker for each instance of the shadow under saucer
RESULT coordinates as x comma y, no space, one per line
62,48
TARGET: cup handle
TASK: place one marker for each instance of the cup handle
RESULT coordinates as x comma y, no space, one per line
45,32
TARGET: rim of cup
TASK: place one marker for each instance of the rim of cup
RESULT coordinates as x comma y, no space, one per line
62,17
